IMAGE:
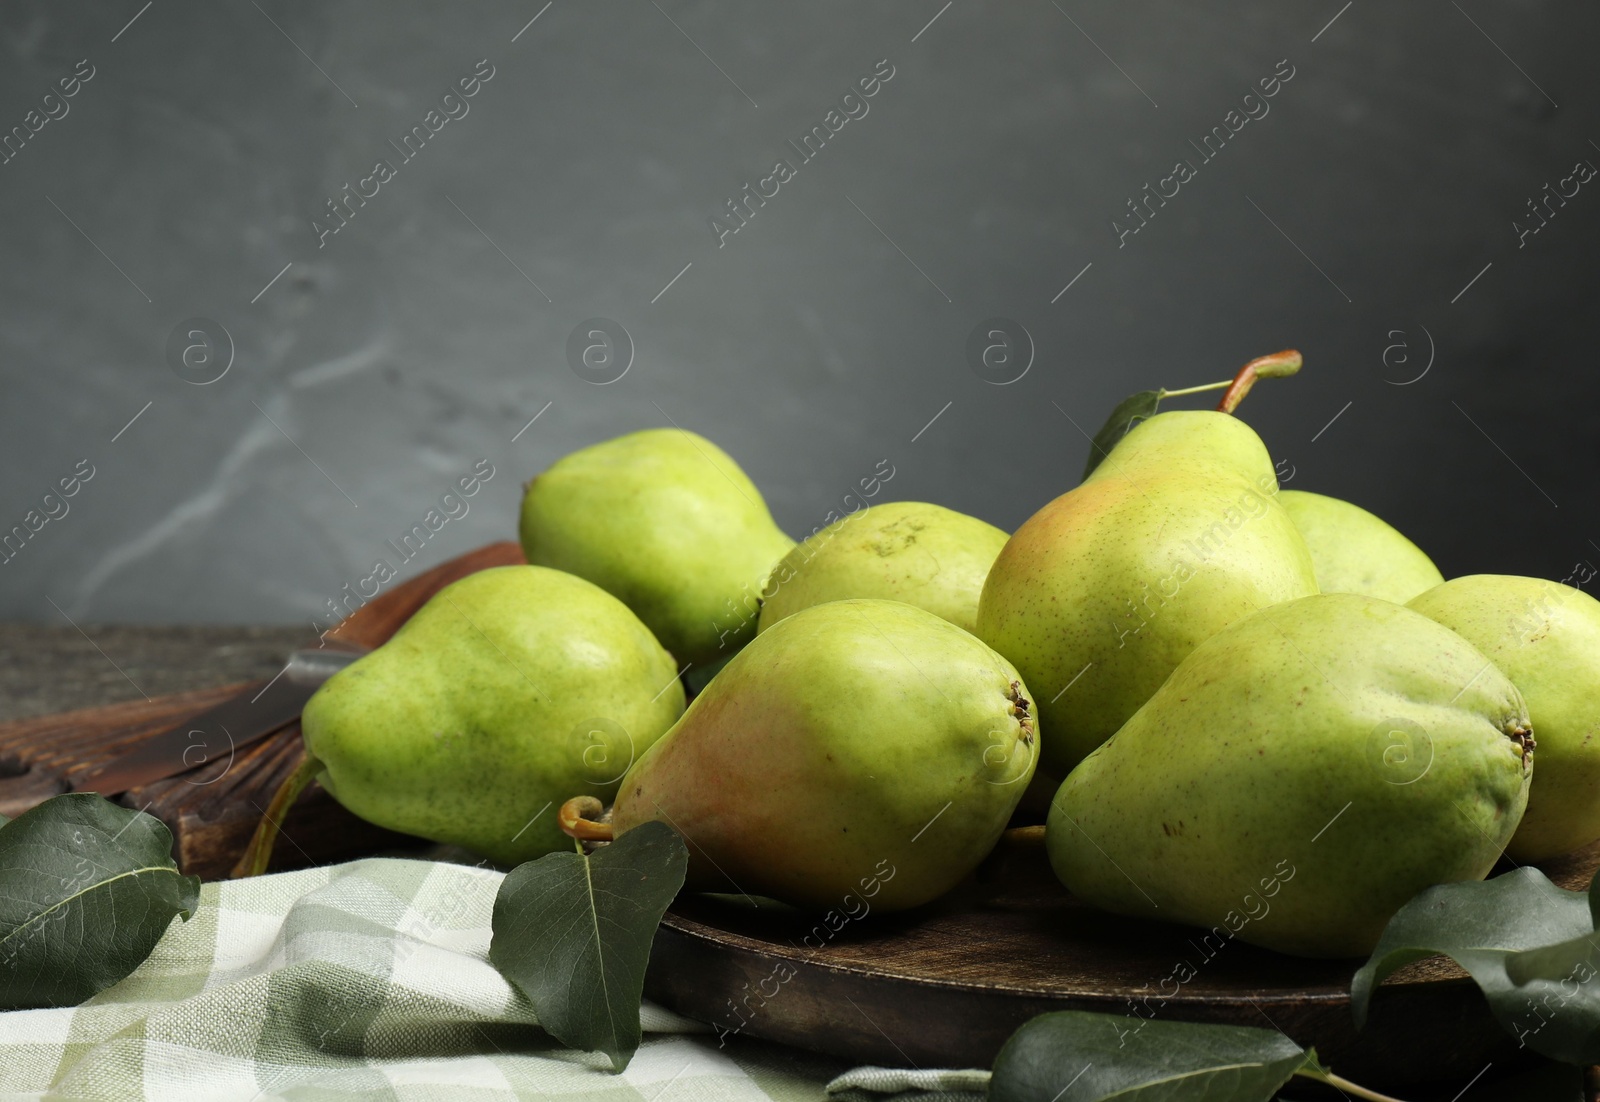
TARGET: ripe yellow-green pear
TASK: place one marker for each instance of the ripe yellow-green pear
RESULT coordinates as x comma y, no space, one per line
1355,551
509,692
1100,595
1301,776
667,522
1545,637
925,555
859,752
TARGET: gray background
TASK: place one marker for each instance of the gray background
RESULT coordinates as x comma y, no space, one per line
809,345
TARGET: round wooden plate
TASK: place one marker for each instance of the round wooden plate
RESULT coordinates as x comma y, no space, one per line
944,986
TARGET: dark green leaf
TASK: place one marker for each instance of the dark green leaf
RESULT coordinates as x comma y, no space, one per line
1549,998
1528,944
1518,910
1075,1056
1132,409
87,888
574,933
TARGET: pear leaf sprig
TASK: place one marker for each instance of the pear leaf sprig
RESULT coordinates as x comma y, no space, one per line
1080,1056
1530,946
89,888
573,932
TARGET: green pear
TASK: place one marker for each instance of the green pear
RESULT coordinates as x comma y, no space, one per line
1300,776
859,748
1100,595
1545,637
667,522
1356,552
925,555
510,691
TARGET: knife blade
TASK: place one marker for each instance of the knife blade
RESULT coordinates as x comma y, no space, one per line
219,732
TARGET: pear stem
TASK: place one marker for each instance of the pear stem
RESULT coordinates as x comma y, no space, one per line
1339,1083
576,819
259,853
1276,366
1027,837
1195,389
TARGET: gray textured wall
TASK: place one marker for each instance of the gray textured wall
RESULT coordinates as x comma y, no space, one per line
821,339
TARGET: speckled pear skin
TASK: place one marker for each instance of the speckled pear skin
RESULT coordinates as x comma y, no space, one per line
925,555
1354,551
1300,776
1545,637
668,523
1176,535
857,752
509,692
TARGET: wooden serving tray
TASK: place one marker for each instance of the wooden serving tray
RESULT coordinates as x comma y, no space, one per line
945,985
213,809
941,986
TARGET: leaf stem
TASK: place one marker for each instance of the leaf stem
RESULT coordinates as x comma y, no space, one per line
1341,1084
259,854
1165,393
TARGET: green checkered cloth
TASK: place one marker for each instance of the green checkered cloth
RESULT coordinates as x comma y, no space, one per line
371,980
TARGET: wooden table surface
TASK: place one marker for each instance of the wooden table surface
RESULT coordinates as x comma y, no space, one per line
48,668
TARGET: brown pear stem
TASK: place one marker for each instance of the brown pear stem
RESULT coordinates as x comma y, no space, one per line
1276,366
577,820
259,853
1028,837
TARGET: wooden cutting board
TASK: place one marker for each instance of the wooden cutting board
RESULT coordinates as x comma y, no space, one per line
942,986
212,810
